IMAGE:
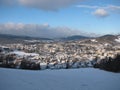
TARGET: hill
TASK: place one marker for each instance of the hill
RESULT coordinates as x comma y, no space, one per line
7,38
75,37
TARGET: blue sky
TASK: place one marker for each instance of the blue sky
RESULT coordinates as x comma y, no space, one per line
68,17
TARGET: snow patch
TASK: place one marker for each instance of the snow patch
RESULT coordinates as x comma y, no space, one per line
21,53
118,39
32,41
94,40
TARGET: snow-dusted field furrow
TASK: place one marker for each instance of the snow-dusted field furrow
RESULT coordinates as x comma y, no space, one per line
71,79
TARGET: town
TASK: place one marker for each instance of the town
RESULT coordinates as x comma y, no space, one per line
39,55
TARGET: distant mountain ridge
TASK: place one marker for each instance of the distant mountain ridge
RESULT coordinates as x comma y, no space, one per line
9,36
102,39
76,37
107,38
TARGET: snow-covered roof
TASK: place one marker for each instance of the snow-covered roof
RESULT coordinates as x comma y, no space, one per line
94,40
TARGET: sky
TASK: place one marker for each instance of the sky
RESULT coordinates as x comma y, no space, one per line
59,18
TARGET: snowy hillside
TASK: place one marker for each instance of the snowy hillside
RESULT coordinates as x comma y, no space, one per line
77,79
118,39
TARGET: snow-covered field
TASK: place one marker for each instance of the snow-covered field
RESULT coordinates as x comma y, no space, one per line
71,79
21,53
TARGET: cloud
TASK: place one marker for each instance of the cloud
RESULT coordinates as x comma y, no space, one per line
48,5
110,7
101,13
37,30
87,6
114,9
8,2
